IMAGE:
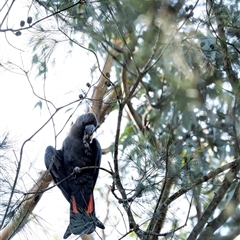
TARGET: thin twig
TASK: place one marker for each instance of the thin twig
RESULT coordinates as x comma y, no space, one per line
21,157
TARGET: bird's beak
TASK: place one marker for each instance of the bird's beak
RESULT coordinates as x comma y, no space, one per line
89,130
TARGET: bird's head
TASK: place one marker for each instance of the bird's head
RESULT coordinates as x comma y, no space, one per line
88,132
85,126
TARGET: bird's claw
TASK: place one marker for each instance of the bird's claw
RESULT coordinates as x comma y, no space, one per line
88,151
77,170
86,144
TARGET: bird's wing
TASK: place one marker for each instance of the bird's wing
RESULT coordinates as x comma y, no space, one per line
97,153
55,164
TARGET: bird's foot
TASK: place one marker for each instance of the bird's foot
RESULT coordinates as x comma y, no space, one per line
77,170
86,143
88,151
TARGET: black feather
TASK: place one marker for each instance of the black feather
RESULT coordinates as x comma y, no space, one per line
80,151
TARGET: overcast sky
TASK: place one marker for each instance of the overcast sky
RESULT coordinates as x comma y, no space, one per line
21,118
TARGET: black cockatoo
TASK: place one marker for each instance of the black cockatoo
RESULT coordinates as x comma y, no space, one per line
78,150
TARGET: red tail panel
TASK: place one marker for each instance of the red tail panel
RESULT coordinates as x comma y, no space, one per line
74,205
90,207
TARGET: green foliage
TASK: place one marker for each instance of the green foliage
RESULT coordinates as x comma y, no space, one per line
185,109
7,168
39,105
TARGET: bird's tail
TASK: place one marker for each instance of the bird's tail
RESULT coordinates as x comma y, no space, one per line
82,222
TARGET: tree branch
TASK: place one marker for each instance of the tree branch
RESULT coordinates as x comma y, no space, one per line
29,203
223,40
223,216
227,182
157,221
101,88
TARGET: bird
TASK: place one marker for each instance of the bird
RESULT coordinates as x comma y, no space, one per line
79,150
